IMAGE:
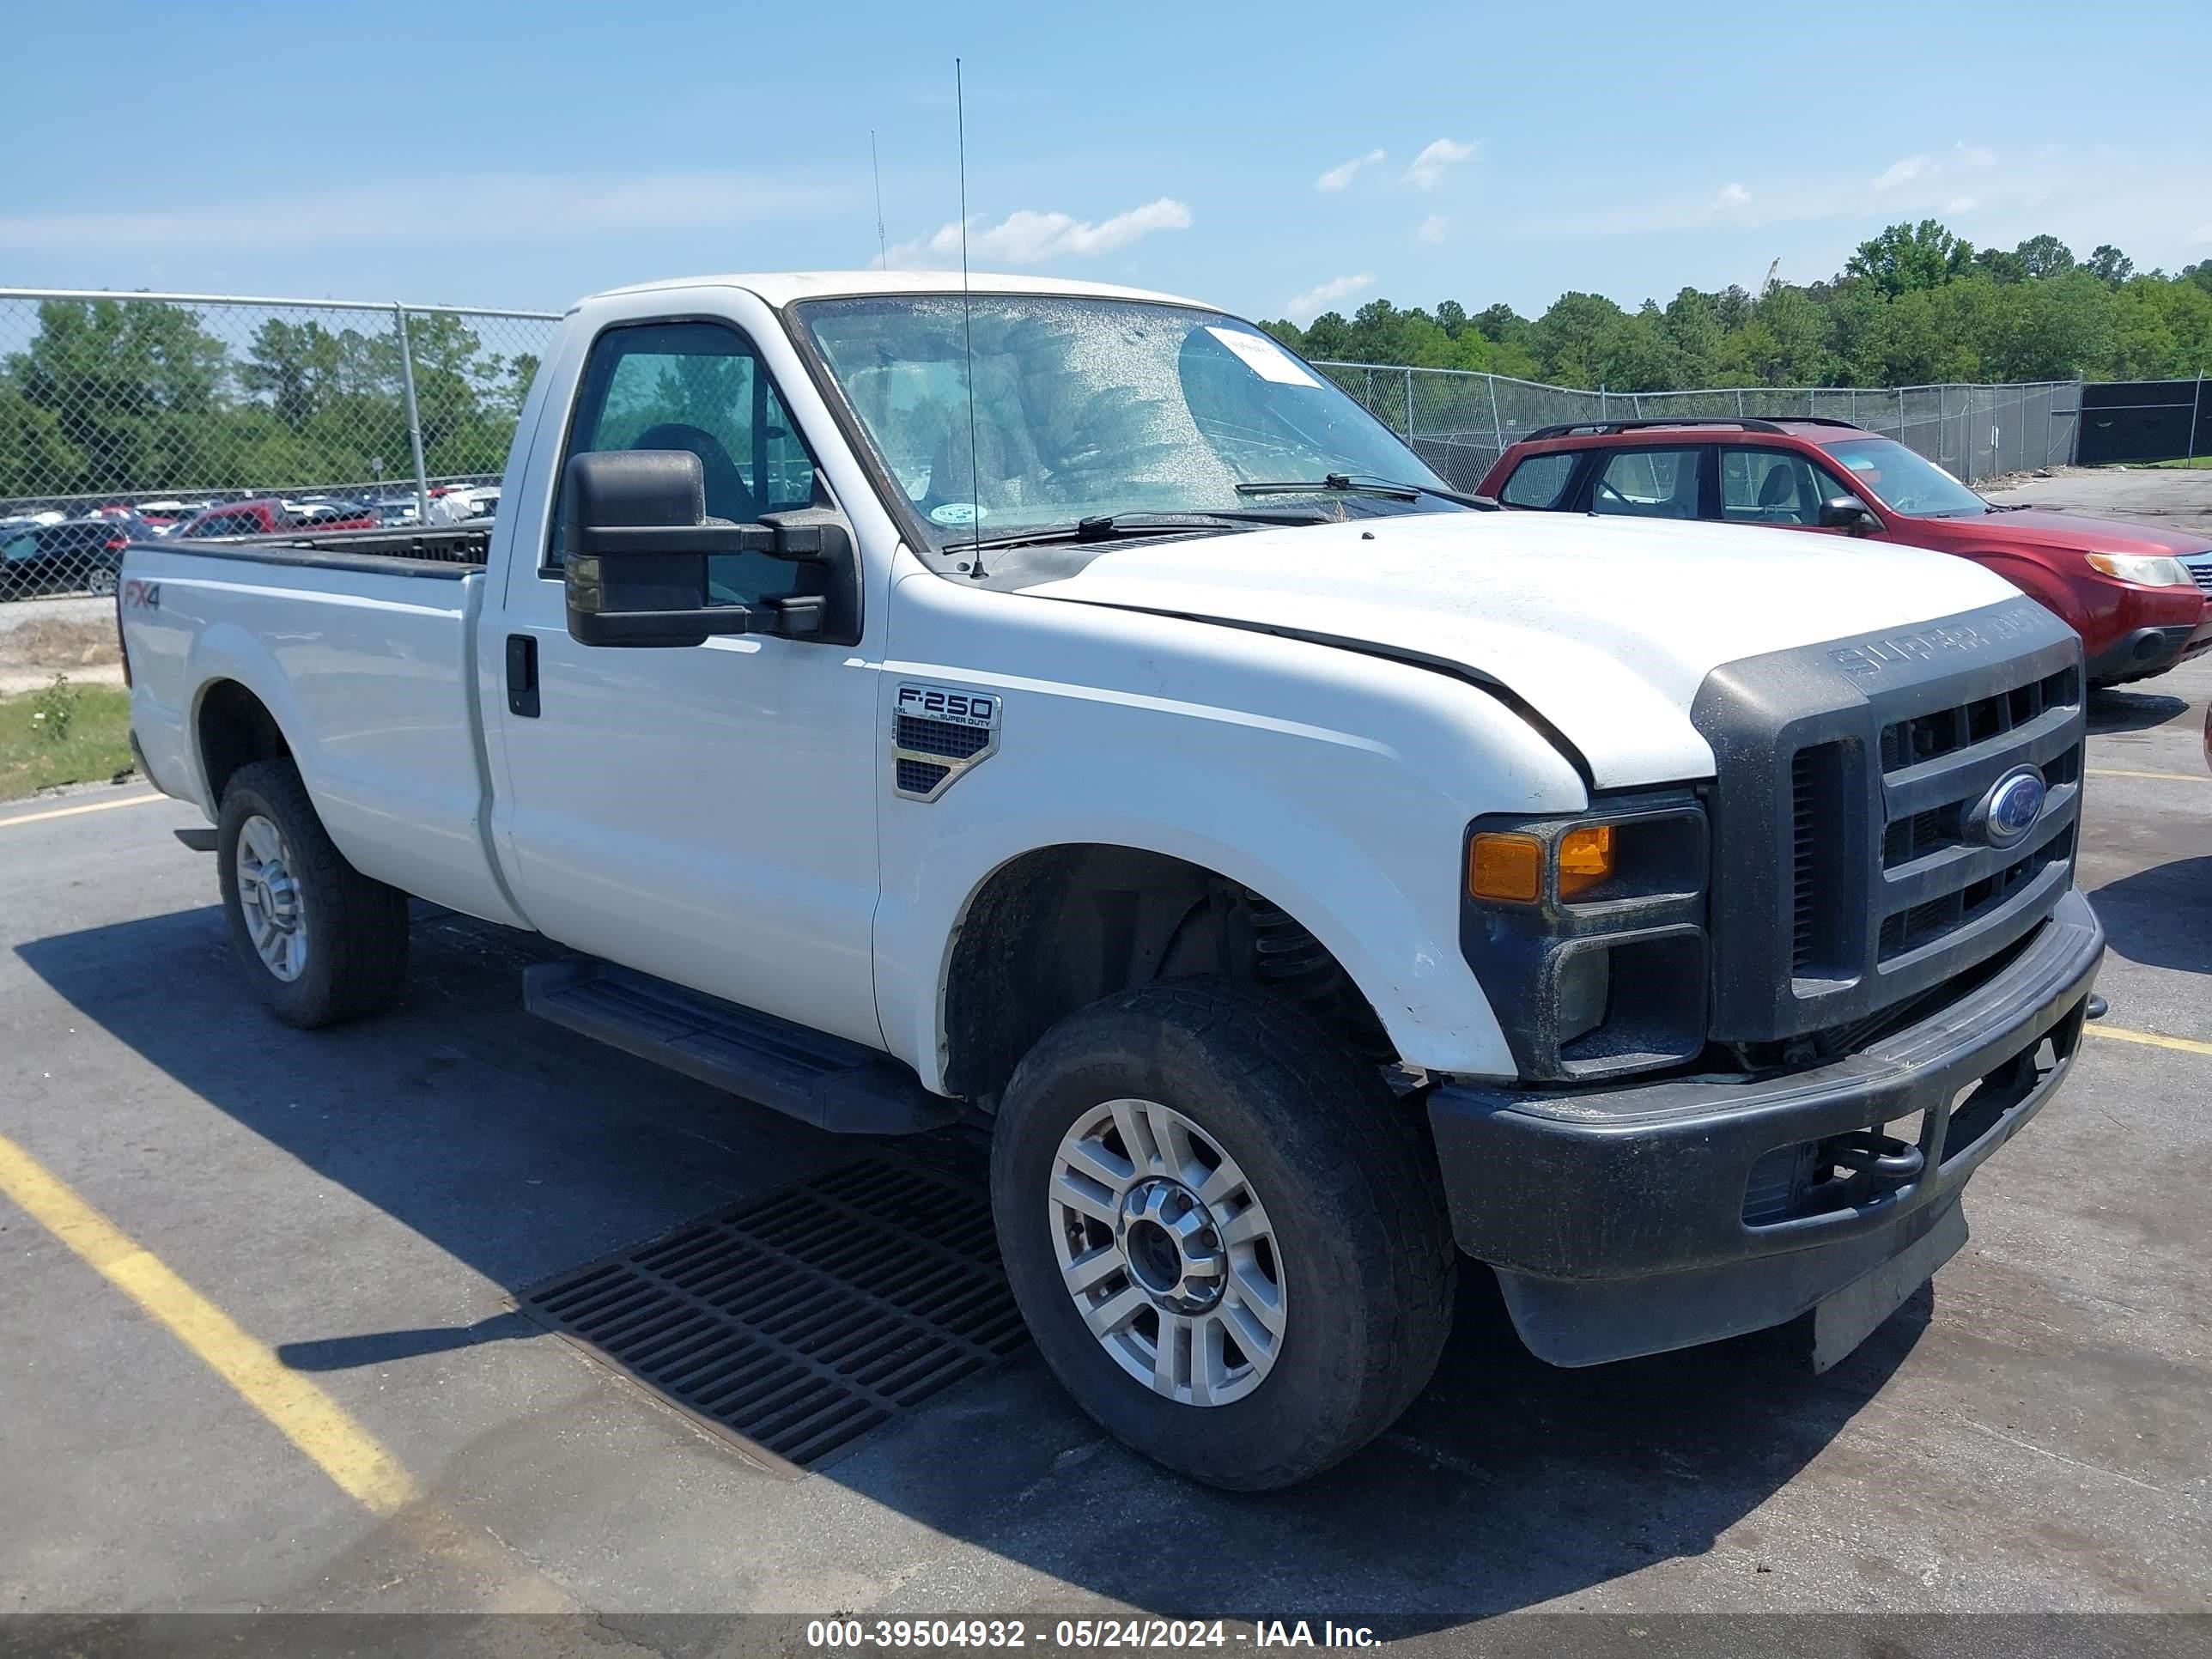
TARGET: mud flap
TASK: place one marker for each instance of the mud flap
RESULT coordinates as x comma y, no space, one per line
1843,1321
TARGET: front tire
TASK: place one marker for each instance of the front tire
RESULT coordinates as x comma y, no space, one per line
320,942
1227,1237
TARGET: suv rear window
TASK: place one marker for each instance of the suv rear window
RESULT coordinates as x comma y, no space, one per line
1652,484
1540,481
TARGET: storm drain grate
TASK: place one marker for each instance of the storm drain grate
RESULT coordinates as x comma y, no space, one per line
800,1321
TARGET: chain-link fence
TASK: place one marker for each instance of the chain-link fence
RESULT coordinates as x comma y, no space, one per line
125,416
1461,422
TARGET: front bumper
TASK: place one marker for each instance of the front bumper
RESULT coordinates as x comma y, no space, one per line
2144,652
1617,1219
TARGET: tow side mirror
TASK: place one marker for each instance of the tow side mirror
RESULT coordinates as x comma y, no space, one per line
638,541
1848,512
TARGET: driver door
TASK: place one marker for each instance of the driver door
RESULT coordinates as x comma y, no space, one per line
704,813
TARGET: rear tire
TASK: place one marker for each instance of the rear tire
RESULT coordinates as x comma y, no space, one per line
320,942
1278,1361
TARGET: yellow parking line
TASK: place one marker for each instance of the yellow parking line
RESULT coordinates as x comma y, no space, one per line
75,812
302,1412
2150,1039
354,1459
2177,777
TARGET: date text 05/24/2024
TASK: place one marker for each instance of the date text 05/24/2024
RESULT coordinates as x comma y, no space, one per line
835,1634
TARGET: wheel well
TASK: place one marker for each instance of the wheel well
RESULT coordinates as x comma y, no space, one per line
235,729
1056,929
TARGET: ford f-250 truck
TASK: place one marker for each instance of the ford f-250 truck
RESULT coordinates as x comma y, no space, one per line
1057,706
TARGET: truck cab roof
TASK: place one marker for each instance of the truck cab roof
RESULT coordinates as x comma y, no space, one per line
781,288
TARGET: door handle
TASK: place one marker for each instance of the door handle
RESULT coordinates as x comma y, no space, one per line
522,675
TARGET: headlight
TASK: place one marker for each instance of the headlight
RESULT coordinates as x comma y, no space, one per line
1588,934
2144,572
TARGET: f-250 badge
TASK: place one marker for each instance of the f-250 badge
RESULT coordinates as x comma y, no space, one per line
940,732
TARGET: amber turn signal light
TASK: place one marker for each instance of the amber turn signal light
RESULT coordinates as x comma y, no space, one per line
1506,868
1585,858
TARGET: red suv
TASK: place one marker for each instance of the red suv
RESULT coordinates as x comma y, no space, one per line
272,517
2122,587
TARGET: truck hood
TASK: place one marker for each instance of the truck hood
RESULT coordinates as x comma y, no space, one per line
2038,527
1606,627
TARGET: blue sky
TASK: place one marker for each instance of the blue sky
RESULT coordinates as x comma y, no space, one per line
1272,159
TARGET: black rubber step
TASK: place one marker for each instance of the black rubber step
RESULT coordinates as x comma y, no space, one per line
818,1078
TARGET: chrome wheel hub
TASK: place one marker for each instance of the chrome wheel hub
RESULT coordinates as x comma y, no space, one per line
268,899
1167,1253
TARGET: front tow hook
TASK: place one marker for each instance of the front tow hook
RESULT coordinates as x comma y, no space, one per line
1877,1156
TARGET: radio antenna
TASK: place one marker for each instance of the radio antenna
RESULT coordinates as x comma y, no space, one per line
968,335
876,167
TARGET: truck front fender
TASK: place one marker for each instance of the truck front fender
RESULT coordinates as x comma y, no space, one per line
1401,948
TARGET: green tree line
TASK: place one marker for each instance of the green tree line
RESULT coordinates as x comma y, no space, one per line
1913,306
140,396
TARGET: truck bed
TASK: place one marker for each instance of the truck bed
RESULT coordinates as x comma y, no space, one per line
361,644
347,550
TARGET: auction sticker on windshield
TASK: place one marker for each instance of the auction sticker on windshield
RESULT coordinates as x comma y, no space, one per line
1264,357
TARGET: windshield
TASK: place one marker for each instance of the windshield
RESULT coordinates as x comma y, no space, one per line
1895,476
1091,408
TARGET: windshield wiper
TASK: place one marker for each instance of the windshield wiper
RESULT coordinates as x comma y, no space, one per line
1366,483
1112,526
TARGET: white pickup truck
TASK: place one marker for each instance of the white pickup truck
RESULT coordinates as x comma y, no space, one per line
1056,706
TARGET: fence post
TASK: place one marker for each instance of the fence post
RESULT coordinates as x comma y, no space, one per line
414,419
1739,402
1497,426
1409,407
2196,406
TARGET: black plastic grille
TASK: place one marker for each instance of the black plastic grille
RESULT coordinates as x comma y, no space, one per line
1930,736
1931,919
798,1321
920,777
945,738
1816,791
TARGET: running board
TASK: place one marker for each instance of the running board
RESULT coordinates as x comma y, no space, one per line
814,1077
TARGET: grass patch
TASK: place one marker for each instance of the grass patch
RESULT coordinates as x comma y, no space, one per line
2199,462
63,733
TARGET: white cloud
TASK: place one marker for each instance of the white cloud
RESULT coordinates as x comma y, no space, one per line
1341,175
1976,155
1303,308
1433,230
498,207
1960,204
1732,195
1429,167
2201,235
1028,238
1901,172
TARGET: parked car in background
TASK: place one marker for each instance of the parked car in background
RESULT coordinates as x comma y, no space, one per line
166,515
458,506
322,511
80,555
271,517
396,509
2124,587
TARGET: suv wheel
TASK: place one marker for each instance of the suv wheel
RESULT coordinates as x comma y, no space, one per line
1227,1237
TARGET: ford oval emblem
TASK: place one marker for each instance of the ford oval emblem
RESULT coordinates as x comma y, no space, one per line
2010,809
